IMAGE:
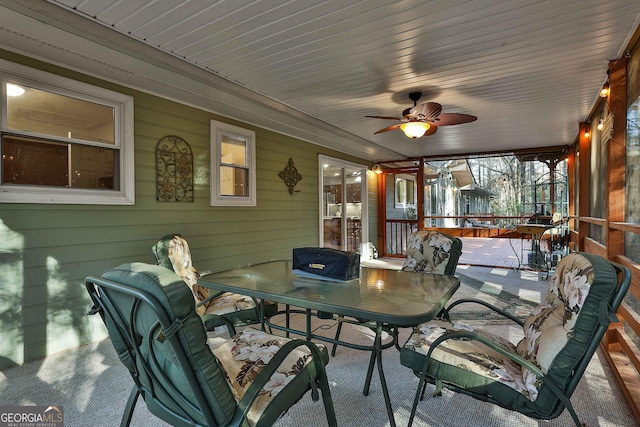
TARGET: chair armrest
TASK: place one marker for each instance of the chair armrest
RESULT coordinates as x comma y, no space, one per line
209,325
445,312
218,294
211,297
264,376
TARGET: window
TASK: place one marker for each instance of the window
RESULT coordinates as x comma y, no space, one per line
63,141
632,181
233,165
405,191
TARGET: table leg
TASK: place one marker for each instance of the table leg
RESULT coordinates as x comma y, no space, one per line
262,317
376,356
367,383
338,330
308,316
287,320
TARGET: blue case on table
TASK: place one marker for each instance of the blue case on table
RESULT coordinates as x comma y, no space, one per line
327,262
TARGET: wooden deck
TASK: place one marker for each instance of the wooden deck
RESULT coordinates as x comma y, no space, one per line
502,252
494,252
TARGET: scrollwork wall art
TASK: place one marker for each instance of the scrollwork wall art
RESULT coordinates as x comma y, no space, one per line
290,176
174,170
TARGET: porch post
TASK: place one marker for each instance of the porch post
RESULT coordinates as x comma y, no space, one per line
420,201
584,169
616,156
571,188
382,213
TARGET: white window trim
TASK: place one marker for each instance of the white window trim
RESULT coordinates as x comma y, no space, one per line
124,139
217,130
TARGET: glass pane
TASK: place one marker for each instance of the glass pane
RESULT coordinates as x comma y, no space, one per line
93,167
48,113
233,150
234,181
632,205
27,162
36,162
405,191
332,206
353,208
634,305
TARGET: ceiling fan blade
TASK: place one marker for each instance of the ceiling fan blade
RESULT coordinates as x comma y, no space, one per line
433,129
385,117
392,127
448,119
426,110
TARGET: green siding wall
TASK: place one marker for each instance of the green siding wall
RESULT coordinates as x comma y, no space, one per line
46,251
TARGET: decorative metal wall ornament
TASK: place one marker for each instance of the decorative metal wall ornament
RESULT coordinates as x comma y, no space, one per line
174,170
290,176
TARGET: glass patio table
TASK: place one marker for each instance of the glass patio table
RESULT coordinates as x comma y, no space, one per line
384,297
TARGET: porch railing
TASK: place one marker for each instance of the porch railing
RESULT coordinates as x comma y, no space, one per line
397,231
397,234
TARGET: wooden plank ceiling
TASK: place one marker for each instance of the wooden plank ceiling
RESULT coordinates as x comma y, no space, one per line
529,70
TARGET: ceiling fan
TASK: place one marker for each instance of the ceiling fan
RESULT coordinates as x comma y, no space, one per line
424,119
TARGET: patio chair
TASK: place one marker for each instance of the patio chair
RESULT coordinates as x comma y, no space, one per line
217,309
182,376
538,375
431,251
428,251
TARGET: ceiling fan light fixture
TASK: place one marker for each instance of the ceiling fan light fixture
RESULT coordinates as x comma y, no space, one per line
415,129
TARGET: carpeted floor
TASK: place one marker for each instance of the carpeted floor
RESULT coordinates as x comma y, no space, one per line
597,400
92,386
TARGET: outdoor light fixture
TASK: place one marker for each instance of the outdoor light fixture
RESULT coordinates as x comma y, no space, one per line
587,128
376,169
415,129
604,92
600,124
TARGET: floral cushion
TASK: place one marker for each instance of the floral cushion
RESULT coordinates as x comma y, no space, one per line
228,303
178,253
473,356
551,325
547,331
247,353
180,257
432,252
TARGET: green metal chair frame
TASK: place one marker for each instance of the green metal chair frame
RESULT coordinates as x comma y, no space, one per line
560,387
153,325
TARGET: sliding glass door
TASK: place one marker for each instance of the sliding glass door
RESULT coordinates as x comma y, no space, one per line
343,204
